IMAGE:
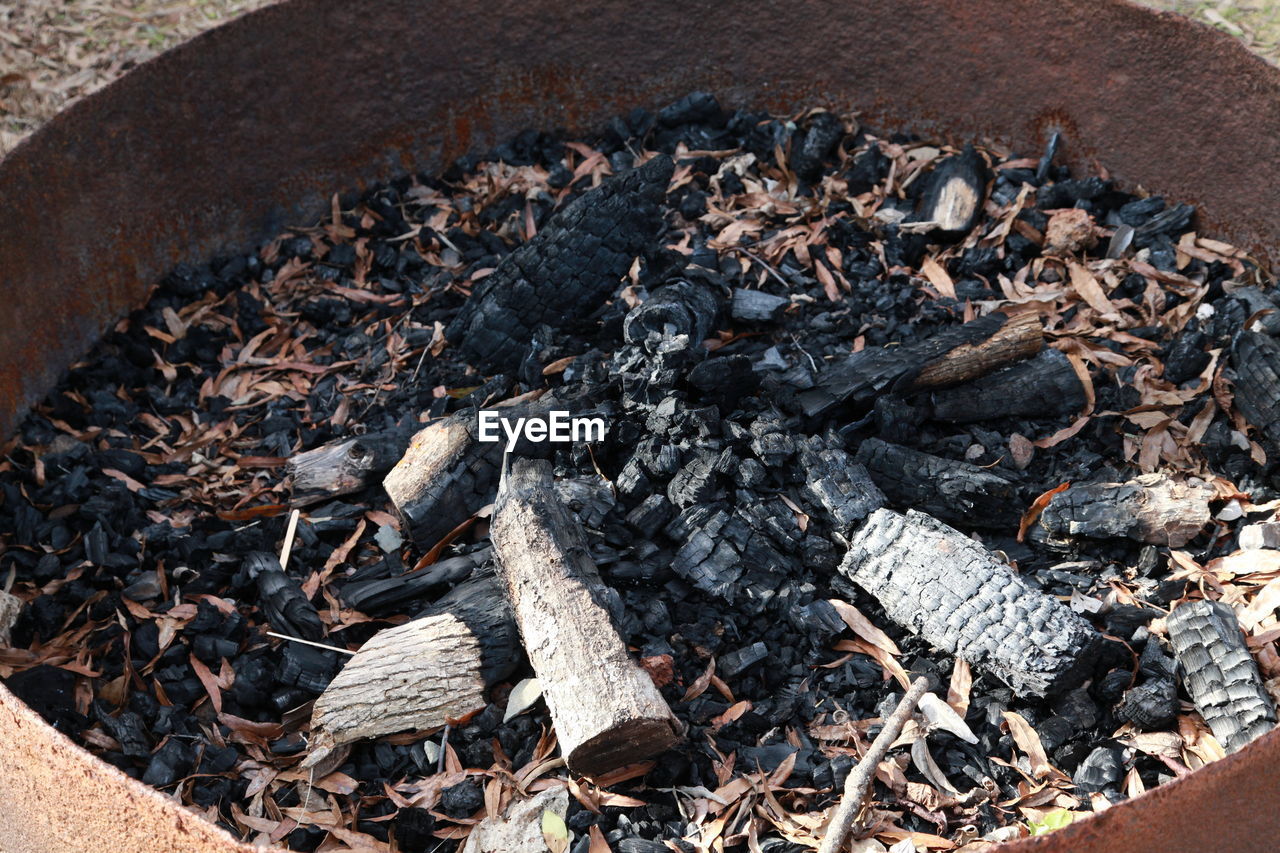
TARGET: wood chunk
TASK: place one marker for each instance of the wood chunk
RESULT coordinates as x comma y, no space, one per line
680,308
1153,508
939,584
606,710
1256,359
344,466
955,193
757,306
838,484
955,492
954,355
423,673
383,596
10,607
1219,674
286,606
1040,387
566,271
519,828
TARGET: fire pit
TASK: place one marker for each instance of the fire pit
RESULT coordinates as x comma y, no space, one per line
950,350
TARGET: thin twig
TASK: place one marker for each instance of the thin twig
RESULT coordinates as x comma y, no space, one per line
288,539
859,779
310,643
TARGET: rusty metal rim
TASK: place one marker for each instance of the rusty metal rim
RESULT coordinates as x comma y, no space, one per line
215,145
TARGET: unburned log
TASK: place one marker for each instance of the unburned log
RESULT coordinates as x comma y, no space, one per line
952,356
1043,386
939,584
421,674
1152,508
1219,674
955,492
606,710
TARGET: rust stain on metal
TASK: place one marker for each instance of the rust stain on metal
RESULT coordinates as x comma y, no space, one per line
213,147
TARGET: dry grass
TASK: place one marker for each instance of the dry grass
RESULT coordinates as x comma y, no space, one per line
53,52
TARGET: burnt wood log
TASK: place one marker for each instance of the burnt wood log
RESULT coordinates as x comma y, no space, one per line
385,596
1152,508
1040,387
566,271
939,584
606,710
283,602
757,306
954,195
422,674
1220,676
1256,359
952,356
836,483
344,466
955,492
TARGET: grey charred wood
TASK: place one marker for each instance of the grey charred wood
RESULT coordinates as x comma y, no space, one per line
606,710
939,584
757,306
566,271
952,356
955,492
423,673
1040,387
1152,508
840,486
344,466
1219,674
1256,359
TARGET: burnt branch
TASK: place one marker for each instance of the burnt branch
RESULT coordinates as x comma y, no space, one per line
1040,387
1153,508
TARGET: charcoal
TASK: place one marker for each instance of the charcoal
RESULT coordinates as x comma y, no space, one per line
841,487
566,271
738,661
282,599
969,603
756,306
678,309
1151,706
1219,673
1152,508
1256,359
127,728
1103,769
1042,387
171,762
954,492
307,667
824,131
461,800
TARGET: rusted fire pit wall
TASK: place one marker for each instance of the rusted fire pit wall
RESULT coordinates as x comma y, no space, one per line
217,144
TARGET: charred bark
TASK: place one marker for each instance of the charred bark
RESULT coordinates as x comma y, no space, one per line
423,673
1256,359
1219,674
564,272
385,596
952,356
1153,508
939,584
344,466
606,710
955,492
1040,387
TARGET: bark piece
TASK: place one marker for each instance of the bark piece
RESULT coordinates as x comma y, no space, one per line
1152,508
606,710
954,492
423,673
344,466
1043,386
519,828
566,271
939,584
1219,674
1256,359
952,356
838,484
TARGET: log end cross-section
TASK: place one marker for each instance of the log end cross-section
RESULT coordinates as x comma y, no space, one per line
606,710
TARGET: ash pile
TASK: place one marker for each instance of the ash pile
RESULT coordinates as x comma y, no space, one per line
874,409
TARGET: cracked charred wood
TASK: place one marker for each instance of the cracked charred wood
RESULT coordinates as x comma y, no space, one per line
1040,387
1152,508
566,271
282,601
1256,359
836,483
344,466
952,356
956,191
944,587
678,309
606,710
385,596
955,492
1219,674
422,674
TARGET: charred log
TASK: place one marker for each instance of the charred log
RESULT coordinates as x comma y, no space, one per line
386,596
939,584
422,674
1219,674
1153,508
566,271
952,356
606,710
836,483
757,306
678,309
1256,359
344,466
954,492
282,601
1040,387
